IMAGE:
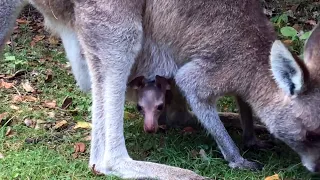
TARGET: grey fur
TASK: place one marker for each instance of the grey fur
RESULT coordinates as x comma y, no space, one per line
212,48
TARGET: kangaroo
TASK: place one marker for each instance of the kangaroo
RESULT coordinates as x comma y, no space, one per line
213,48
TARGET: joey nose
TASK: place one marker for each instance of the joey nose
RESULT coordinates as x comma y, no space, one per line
150,126
150,129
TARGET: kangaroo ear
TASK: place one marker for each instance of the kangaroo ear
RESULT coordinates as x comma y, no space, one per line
312,48
290,73
163,83
137,83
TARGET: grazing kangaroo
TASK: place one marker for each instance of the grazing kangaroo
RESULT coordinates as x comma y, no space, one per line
211,47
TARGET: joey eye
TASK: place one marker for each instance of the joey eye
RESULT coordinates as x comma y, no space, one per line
160,107
139,108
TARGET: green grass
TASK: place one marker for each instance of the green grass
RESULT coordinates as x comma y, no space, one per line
51,157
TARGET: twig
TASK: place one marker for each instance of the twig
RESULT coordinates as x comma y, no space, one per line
17,90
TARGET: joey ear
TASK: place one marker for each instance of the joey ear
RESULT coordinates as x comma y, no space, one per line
290,73
163,82
137,82
312,47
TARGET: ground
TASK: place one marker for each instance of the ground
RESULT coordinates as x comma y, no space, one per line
41,109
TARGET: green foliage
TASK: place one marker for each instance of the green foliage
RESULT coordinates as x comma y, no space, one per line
294,39
13,62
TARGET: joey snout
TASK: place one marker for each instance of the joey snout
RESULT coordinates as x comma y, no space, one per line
150,123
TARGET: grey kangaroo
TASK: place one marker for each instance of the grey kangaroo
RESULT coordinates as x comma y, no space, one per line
211,47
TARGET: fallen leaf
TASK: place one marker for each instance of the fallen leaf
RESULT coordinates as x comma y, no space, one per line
51,114
311,22
49,76
14,107
82,124
60,124
22,21
66,103
287,42
18,98
88,138
16,74
32,43
203,155
3,115
1,156
38,38
39,124
5,85
50,104
53,40
274,177
9,131
79,147
27,86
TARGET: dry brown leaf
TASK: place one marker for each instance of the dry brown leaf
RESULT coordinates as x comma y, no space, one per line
1,156
51,114
18,98
311,22
38,38
79,147
27,86
60,124
9,131
88,138
53,40
274,177
32,43
22,21
14,107
39,124
5,85
82,124
50,104
16,74
3,115
287,42
66,103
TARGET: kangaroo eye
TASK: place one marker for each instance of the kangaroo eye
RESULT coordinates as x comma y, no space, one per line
160,107
139,108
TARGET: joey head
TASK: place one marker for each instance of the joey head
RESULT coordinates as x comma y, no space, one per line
152,99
